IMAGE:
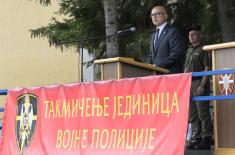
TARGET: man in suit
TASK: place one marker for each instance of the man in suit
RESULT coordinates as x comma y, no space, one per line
166,49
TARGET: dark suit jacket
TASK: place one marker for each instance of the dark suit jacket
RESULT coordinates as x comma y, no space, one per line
168,52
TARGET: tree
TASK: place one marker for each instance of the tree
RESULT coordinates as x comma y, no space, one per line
110,11
87,19
202,12
91,18
226,10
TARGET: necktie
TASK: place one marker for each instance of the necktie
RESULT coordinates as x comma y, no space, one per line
156,37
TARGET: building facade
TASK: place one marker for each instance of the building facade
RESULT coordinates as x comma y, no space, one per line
26,61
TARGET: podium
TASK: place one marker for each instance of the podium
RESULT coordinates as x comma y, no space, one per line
223,57
121,67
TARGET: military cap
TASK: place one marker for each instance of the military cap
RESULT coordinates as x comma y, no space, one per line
194,27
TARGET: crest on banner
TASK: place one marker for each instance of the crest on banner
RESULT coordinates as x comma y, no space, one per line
26,119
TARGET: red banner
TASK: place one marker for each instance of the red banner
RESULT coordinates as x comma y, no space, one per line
141,116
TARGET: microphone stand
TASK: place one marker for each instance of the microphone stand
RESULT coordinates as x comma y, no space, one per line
81,41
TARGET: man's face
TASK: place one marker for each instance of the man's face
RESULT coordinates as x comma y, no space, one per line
158,15
194,36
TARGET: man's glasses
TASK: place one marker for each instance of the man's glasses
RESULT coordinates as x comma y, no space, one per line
156,14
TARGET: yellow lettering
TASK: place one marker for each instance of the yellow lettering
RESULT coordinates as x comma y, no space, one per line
113,138
51,110
66,136
138,138
104,139
84,138
46,103
66,109
155,103
151,138
129,140
95,138
175,103
88,102
120,113
77,138
166,110
121,138
146,102
59,139
81,107
74,108
136,104
57,108
128,107
114,107
106,114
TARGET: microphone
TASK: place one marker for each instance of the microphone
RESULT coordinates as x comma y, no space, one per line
132,29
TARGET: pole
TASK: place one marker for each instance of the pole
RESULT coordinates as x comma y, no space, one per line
81,44
81,49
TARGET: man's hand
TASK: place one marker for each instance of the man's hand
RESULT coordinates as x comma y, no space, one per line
200,90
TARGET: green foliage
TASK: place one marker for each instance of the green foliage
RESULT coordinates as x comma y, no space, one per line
210,22
86,20
201,12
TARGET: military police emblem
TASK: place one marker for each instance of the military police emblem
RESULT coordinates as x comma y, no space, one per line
26,120
226,83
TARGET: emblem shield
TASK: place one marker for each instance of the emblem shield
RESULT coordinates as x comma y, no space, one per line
226,83
26,119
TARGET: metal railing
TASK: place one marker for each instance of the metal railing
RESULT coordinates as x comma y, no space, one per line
194,74
218,97
3,92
